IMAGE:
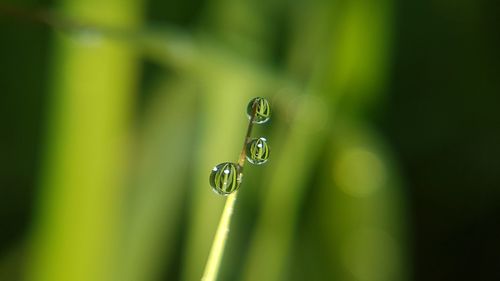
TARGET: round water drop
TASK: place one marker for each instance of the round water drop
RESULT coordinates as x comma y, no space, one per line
257,151
262,110
225,178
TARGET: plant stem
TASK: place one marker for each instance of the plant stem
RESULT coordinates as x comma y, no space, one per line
219,242
217,250
241,161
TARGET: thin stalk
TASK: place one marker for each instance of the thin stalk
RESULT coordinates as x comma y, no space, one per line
243,153
219,242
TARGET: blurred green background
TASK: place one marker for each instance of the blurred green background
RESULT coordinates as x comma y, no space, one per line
384,138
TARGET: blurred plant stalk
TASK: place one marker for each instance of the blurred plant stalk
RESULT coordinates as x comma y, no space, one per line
79,209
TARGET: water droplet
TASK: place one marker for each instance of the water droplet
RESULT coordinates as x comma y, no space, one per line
262,110
257,151
225,178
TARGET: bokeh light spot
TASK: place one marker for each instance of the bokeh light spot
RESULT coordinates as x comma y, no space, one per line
359,172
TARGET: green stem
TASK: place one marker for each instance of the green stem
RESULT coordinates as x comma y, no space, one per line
219,242
217,250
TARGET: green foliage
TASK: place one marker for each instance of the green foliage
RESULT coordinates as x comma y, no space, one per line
124,193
